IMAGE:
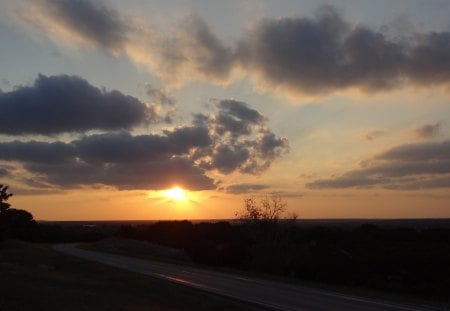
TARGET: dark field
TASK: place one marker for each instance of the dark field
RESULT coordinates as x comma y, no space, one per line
34,277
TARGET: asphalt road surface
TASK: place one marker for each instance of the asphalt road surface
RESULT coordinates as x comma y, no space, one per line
267,294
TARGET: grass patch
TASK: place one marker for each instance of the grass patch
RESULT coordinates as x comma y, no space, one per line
34,277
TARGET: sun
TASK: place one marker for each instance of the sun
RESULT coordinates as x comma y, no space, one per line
175,193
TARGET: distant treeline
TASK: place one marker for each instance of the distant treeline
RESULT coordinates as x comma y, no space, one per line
400,260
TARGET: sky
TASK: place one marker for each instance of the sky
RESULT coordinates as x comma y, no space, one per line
341,108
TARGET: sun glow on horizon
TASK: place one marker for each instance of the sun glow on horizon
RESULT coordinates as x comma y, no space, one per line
176,193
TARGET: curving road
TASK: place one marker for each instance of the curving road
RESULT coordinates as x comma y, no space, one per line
268,294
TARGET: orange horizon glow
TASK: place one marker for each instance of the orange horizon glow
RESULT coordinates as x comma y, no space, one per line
213,204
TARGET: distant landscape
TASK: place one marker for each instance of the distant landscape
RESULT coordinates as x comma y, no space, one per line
416,223
399,259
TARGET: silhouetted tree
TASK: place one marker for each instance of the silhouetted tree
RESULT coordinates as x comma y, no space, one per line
272,247
273,207
270,209
4,196
15,223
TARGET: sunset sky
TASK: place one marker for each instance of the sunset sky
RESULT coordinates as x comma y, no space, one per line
342,109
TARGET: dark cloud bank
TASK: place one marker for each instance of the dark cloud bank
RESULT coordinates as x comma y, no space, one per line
301,55
234,139
405,167
58,104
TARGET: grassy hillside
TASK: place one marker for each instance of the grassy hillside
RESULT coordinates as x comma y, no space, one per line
34,277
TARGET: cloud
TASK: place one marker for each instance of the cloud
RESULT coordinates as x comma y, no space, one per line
289,55
115,159
245,188
123,147
325,53
165,103
4,172
92,21
184,138
36,152
229,158
191,51
119,160
242,140
236,118
26,191
5,82
406,167
287,194
271,146
183,155
159,96
428,131
160,174
431,151
58,104
209,56
429,62
372,135
240,110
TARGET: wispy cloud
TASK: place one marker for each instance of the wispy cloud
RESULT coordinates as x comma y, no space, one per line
406,167
245,188
428,131
297,56
372,135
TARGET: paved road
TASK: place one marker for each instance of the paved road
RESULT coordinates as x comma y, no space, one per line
271,295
